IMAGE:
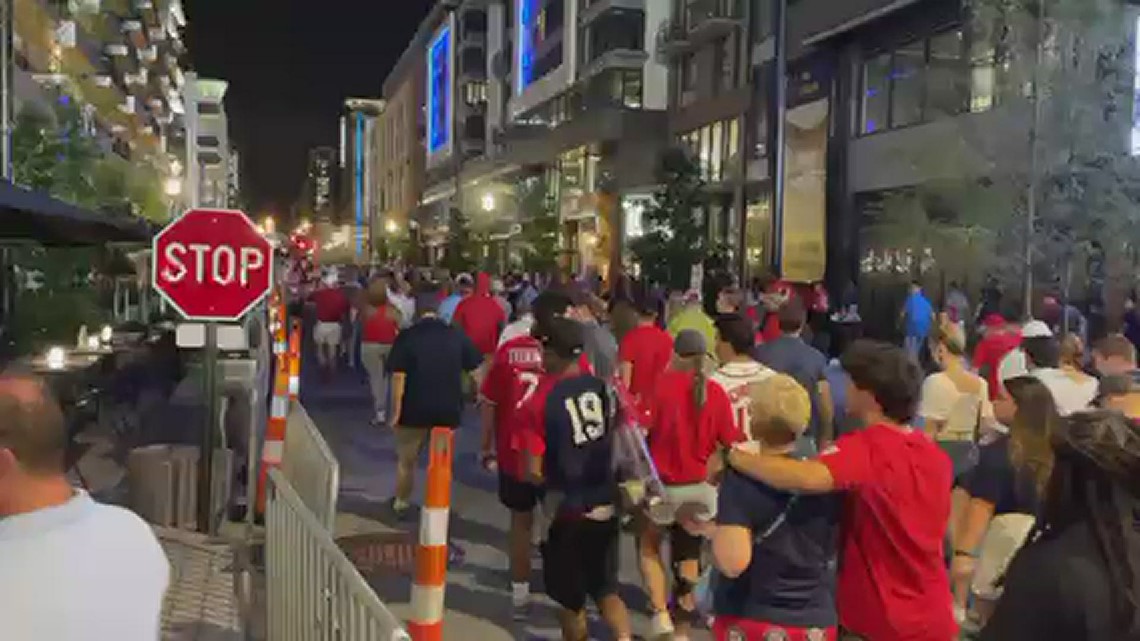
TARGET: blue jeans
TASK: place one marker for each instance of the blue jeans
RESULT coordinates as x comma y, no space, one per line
913,346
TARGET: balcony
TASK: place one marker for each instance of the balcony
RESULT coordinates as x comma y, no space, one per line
632,59
673,38
710,19
594,9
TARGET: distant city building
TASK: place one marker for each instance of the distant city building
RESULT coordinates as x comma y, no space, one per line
320,183
359,154
234,178
213,144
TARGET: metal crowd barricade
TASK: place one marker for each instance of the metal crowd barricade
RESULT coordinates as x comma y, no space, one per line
314,591
310,465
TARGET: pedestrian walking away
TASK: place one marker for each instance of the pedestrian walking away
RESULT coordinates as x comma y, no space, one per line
567,435
380,326
427,364
332,308
511,380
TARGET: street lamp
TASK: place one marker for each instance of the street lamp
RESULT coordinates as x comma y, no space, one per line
269,224
391,227
488,202
172,186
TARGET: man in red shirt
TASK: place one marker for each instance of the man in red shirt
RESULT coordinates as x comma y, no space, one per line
645,352
482,318
1001,337
511,380
893,584
332,309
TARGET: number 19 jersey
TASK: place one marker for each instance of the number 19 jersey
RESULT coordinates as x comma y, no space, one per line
512,379
570,423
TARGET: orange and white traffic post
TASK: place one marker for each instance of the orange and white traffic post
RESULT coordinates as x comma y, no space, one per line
274,449
278,317
426,621
295,361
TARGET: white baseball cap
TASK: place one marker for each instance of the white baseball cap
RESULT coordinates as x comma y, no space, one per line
1036,329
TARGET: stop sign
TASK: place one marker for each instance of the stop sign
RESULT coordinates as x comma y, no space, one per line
212,264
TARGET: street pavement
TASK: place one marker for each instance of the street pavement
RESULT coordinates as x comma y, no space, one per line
478,587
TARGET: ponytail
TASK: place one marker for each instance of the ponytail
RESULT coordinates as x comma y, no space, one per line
700,381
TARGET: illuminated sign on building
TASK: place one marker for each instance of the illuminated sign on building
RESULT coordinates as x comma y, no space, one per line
527,30
439,74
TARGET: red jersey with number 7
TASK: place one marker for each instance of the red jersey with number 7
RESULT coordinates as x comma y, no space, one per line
512,379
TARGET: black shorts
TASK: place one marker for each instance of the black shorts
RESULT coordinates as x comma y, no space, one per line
518,496
580,560
684,546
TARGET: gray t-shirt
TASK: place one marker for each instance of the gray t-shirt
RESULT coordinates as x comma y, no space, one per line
601,349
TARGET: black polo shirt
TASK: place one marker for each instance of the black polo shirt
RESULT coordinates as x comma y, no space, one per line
433,356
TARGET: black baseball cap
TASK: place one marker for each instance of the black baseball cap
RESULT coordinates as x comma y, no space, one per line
563,336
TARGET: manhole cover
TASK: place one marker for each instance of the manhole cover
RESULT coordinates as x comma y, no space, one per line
389,551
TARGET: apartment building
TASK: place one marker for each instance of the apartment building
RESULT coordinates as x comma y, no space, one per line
119,58
401,131
566,90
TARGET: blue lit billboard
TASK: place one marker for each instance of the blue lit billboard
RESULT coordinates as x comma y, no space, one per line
528,12
439,91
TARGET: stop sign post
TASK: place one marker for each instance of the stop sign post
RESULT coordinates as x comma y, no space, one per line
211,265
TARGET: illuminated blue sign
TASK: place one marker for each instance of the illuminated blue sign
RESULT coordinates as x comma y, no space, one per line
439,91
528,12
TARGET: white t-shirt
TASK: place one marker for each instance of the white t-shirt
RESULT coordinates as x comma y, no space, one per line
735,377
960,412
81,571
1069,394
406,307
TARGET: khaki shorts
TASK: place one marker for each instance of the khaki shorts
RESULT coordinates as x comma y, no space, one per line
411,442
697,500
327,334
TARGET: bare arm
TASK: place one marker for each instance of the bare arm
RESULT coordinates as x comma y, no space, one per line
626,371
826,414
732,549
398,381
487,413
782,473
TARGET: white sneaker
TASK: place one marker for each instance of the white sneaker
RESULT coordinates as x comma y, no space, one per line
661,626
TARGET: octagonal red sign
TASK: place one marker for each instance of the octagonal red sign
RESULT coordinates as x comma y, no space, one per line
212,264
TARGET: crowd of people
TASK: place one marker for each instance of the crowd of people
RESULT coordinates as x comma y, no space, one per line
908,493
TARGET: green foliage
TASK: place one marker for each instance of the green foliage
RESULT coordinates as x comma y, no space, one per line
459,253
1071,75
675,238
539,237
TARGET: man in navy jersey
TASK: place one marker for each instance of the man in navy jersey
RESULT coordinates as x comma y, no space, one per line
566,434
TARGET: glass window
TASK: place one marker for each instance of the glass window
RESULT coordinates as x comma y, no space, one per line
631,89
907,67
733,143
876,93
717,155
705,157
727,55
945,77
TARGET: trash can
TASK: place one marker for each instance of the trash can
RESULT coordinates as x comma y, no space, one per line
163,484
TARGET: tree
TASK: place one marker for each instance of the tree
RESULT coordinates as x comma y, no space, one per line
459,254
538,239
1046,184
675,237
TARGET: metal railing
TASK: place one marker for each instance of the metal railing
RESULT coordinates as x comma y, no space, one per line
314,592
310,466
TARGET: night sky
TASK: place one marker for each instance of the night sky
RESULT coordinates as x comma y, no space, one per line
290,65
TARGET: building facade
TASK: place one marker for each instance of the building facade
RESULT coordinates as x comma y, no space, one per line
120,60
320,184
359,167
210,177
585,94
401,144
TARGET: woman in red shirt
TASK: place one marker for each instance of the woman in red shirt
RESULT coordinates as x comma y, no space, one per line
690,416
381,324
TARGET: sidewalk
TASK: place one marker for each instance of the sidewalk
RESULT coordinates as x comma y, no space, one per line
478,587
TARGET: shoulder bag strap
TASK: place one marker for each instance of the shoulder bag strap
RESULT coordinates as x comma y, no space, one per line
777,522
